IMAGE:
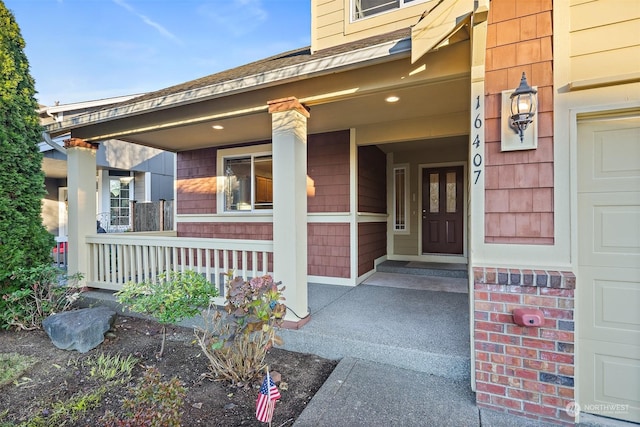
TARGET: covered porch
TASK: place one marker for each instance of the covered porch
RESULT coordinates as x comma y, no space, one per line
412,322
331,124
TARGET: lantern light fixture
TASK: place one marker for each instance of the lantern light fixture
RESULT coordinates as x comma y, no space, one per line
523,107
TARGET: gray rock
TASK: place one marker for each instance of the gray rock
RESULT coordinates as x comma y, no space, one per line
79,330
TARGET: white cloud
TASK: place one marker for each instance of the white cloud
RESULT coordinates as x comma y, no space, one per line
158,27
238,17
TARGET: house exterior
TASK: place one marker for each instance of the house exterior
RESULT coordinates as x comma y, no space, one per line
388,139
124,173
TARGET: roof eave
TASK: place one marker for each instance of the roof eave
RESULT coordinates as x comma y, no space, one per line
390,50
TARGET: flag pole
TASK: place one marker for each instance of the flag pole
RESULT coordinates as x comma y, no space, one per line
269,389
269,381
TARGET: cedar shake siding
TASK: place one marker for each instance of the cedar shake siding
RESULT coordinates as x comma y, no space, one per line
372,244
372,180
226,230
329,251
525,371
328,170
196,182
519,184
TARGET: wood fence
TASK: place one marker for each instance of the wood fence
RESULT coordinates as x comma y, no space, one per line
152,216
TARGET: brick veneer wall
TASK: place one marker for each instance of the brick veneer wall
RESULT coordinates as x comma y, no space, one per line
329,252
527,371
328,168
519,184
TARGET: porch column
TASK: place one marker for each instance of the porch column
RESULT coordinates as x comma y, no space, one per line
81,184
289,137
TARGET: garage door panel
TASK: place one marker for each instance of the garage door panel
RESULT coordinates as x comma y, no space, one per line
610,298
609,156
614,373
608,287
609,229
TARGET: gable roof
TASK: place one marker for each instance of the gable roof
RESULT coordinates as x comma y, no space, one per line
273,70
275,62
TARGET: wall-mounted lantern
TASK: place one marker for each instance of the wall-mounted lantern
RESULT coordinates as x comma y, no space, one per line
523,106
518,115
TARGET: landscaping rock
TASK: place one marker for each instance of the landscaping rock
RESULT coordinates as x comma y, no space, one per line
79,330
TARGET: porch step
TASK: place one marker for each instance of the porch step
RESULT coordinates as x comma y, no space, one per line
335,347
416,268
423,331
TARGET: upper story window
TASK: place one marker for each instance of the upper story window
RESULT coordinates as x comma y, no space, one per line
248,179
365,8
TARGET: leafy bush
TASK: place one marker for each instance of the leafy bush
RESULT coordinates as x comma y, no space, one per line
155,403
173,297
36,293
237,339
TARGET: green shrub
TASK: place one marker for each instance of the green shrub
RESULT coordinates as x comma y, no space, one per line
237,339
36,293
173,297
24,241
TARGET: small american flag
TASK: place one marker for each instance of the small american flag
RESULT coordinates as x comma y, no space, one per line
267,399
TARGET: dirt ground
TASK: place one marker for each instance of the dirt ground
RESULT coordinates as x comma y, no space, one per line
59,374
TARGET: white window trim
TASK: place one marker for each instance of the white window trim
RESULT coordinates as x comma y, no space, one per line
229,153
352,9
131,178
406,230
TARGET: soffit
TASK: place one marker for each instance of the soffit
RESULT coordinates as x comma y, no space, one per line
445,23
435,85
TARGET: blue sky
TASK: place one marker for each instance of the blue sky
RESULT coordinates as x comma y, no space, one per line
81,50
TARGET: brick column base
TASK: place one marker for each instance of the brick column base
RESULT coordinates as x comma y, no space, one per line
526,371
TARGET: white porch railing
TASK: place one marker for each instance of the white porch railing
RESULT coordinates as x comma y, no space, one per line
59,252
115,259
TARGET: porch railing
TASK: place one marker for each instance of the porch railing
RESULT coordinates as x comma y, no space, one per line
115,259
59,252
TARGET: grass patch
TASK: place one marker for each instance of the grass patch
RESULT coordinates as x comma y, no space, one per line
111,367
69,410
12,366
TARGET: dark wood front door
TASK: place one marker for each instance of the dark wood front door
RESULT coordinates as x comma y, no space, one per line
442,210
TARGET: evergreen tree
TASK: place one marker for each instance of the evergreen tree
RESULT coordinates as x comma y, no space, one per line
24,241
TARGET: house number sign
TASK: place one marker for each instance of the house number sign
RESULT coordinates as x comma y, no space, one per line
478,133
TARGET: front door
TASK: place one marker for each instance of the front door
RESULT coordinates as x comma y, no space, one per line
442,210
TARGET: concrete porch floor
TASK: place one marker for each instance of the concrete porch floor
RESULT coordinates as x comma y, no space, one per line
416,323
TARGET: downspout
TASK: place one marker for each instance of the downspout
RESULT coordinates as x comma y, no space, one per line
47,138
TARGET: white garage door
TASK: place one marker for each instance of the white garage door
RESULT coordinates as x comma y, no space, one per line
608,287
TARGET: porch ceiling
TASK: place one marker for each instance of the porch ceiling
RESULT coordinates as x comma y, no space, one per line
435,87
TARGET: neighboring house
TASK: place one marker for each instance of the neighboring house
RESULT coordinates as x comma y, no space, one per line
387,140
124,173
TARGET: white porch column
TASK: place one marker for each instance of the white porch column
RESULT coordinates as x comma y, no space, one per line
289,134
81,184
